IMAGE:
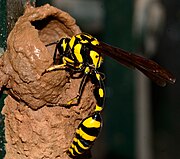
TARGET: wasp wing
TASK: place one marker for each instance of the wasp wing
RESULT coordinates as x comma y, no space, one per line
150,68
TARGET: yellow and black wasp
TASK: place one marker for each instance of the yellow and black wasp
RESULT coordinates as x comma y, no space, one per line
83,53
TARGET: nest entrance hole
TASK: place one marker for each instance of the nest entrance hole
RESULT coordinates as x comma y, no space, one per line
40,24
50,29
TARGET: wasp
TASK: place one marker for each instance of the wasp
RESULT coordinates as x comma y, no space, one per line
84,53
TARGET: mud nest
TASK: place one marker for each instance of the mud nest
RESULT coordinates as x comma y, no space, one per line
32,129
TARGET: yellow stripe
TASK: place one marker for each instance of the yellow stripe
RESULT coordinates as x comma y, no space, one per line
95,57
71,43
67,60
87,35
86,70
82,146
101,92
81,40
100,61
79,36
64,45
98,76
89,123
71,151
75,139
77,52
72,145
84,41
75,148
98,108
77,131
86,136
95,42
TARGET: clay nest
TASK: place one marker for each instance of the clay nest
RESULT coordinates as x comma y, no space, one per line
32,129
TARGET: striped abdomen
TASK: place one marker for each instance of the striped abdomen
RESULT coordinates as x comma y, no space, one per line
86,134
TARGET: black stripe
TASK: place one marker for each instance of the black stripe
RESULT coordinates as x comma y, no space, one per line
100,100
74,152
91,131
85,143
81,150
89,39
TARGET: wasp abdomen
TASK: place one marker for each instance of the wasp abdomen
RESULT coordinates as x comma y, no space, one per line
87,132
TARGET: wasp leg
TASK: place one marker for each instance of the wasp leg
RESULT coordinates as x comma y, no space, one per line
86,134
99,91
75,100
55,54
53,43
82,84
57,43
56,67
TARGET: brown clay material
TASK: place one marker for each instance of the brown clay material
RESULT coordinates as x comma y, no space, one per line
32,129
